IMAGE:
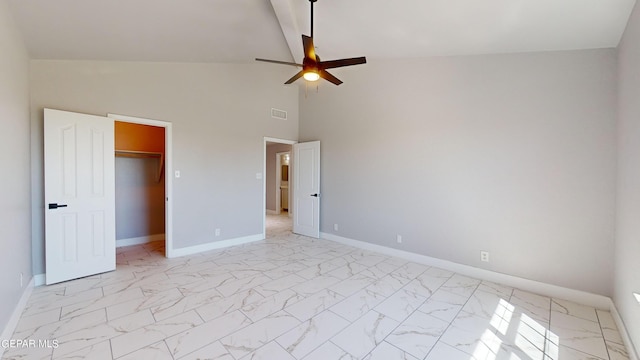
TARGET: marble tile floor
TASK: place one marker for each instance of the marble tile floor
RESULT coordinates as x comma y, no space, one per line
291,297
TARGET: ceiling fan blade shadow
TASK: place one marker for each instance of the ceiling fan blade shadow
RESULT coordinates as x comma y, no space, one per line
309,49
295,77
331,64
279,62
332,79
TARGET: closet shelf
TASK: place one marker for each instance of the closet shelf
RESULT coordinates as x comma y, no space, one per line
145,154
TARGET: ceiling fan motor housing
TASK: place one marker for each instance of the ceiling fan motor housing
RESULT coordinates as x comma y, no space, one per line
310,64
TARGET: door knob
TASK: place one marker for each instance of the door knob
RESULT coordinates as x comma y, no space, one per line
315,195
55,205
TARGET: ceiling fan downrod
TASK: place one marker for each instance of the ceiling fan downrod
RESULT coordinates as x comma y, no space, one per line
312,1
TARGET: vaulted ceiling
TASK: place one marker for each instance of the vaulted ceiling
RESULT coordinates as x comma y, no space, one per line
240,30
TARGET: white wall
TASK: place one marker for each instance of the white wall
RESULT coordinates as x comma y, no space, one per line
513,154
15,212
220,115
627,253
140,210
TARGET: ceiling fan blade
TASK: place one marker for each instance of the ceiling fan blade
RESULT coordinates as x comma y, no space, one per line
309,50
342,62
325,75
279,62
295,77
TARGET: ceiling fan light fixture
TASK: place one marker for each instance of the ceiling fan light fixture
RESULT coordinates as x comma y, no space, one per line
312,68
311,75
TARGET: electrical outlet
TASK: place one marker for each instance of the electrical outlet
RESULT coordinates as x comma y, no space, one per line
217,232
399,239
484,256
335,227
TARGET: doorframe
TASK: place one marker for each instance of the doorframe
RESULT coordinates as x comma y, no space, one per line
264,179
279,181
168,171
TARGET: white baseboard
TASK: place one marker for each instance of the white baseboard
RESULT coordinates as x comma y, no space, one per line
272,212
214,245
622,329
583,297
39,280
139,240
7,333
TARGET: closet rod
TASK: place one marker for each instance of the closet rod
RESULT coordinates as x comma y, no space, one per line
144,154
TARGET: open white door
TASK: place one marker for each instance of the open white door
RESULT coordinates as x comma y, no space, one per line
79,195
306,189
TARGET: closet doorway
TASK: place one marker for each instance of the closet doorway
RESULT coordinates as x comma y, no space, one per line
142,184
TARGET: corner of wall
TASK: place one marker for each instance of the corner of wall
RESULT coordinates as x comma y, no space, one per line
10,327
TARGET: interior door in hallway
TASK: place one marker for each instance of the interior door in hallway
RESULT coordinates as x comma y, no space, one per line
79,195
306,184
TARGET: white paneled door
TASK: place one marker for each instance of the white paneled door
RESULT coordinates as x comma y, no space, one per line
306,182
79,195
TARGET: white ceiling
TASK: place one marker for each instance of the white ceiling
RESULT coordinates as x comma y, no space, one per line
240,30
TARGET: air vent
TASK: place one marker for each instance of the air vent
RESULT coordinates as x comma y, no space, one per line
278,114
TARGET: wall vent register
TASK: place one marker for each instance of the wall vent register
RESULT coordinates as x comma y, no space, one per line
278,114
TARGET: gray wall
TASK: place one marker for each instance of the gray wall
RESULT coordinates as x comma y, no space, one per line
139,198
15,212
513,154
627,271
270,178
220,115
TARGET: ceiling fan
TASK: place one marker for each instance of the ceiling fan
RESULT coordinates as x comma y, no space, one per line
312,68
